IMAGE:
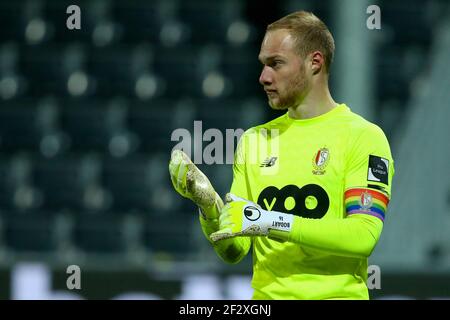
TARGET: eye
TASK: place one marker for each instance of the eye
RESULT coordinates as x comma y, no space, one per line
276,64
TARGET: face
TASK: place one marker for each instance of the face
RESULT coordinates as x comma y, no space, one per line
284,75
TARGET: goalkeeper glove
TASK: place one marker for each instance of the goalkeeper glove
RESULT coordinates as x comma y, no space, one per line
240,217
193,184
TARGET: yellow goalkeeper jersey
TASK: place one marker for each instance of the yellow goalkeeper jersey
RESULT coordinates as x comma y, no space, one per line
327,167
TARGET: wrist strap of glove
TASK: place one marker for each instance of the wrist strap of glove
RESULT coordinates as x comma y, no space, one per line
275,220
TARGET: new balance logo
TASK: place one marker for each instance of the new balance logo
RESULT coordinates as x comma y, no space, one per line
269,162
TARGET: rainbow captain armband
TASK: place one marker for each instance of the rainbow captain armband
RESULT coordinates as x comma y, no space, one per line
366,201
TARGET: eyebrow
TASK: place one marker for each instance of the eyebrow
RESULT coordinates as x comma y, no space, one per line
268,58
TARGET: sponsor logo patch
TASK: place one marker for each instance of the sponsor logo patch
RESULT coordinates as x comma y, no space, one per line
269,162
378,169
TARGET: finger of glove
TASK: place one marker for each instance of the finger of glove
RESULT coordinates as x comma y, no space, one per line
230,197
179,159
221,235
178,156
177,176
225,218
173,170
181,175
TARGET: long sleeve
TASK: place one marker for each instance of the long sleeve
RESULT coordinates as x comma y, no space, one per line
354,236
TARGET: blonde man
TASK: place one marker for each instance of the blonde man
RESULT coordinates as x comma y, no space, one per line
314,211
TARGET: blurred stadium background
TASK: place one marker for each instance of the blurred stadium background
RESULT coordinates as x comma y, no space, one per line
85,137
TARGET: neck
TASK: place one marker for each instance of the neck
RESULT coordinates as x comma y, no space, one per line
316,102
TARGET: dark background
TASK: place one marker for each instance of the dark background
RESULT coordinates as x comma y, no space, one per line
86,118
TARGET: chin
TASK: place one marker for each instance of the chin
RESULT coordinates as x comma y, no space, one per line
276,106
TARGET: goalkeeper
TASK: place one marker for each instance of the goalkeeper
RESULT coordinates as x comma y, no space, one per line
313,209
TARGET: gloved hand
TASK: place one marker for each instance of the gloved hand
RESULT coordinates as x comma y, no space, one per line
241,217
193,184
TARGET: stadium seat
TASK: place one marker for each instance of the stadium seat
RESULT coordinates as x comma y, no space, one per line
29,232
8,184
22,126
99,233
230,113
241,65
155,121
209,20
112,68
9,58
12,82
12,21
91,125
409,24
43,67
389,67
178,67
64,182
142,20
48,68
125,71
129,181
139,184
170,235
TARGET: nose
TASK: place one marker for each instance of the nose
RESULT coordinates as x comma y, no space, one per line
266,76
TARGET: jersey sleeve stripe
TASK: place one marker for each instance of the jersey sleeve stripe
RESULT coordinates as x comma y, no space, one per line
358,191
379,216
357,209
366,201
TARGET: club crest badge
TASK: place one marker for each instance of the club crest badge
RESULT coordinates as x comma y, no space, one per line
366,201
320,161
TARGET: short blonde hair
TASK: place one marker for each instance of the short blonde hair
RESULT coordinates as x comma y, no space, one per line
310,34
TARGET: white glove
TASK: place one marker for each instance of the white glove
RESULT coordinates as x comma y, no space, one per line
193,184
240,217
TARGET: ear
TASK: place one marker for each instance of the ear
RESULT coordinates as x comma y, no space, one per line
317,62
